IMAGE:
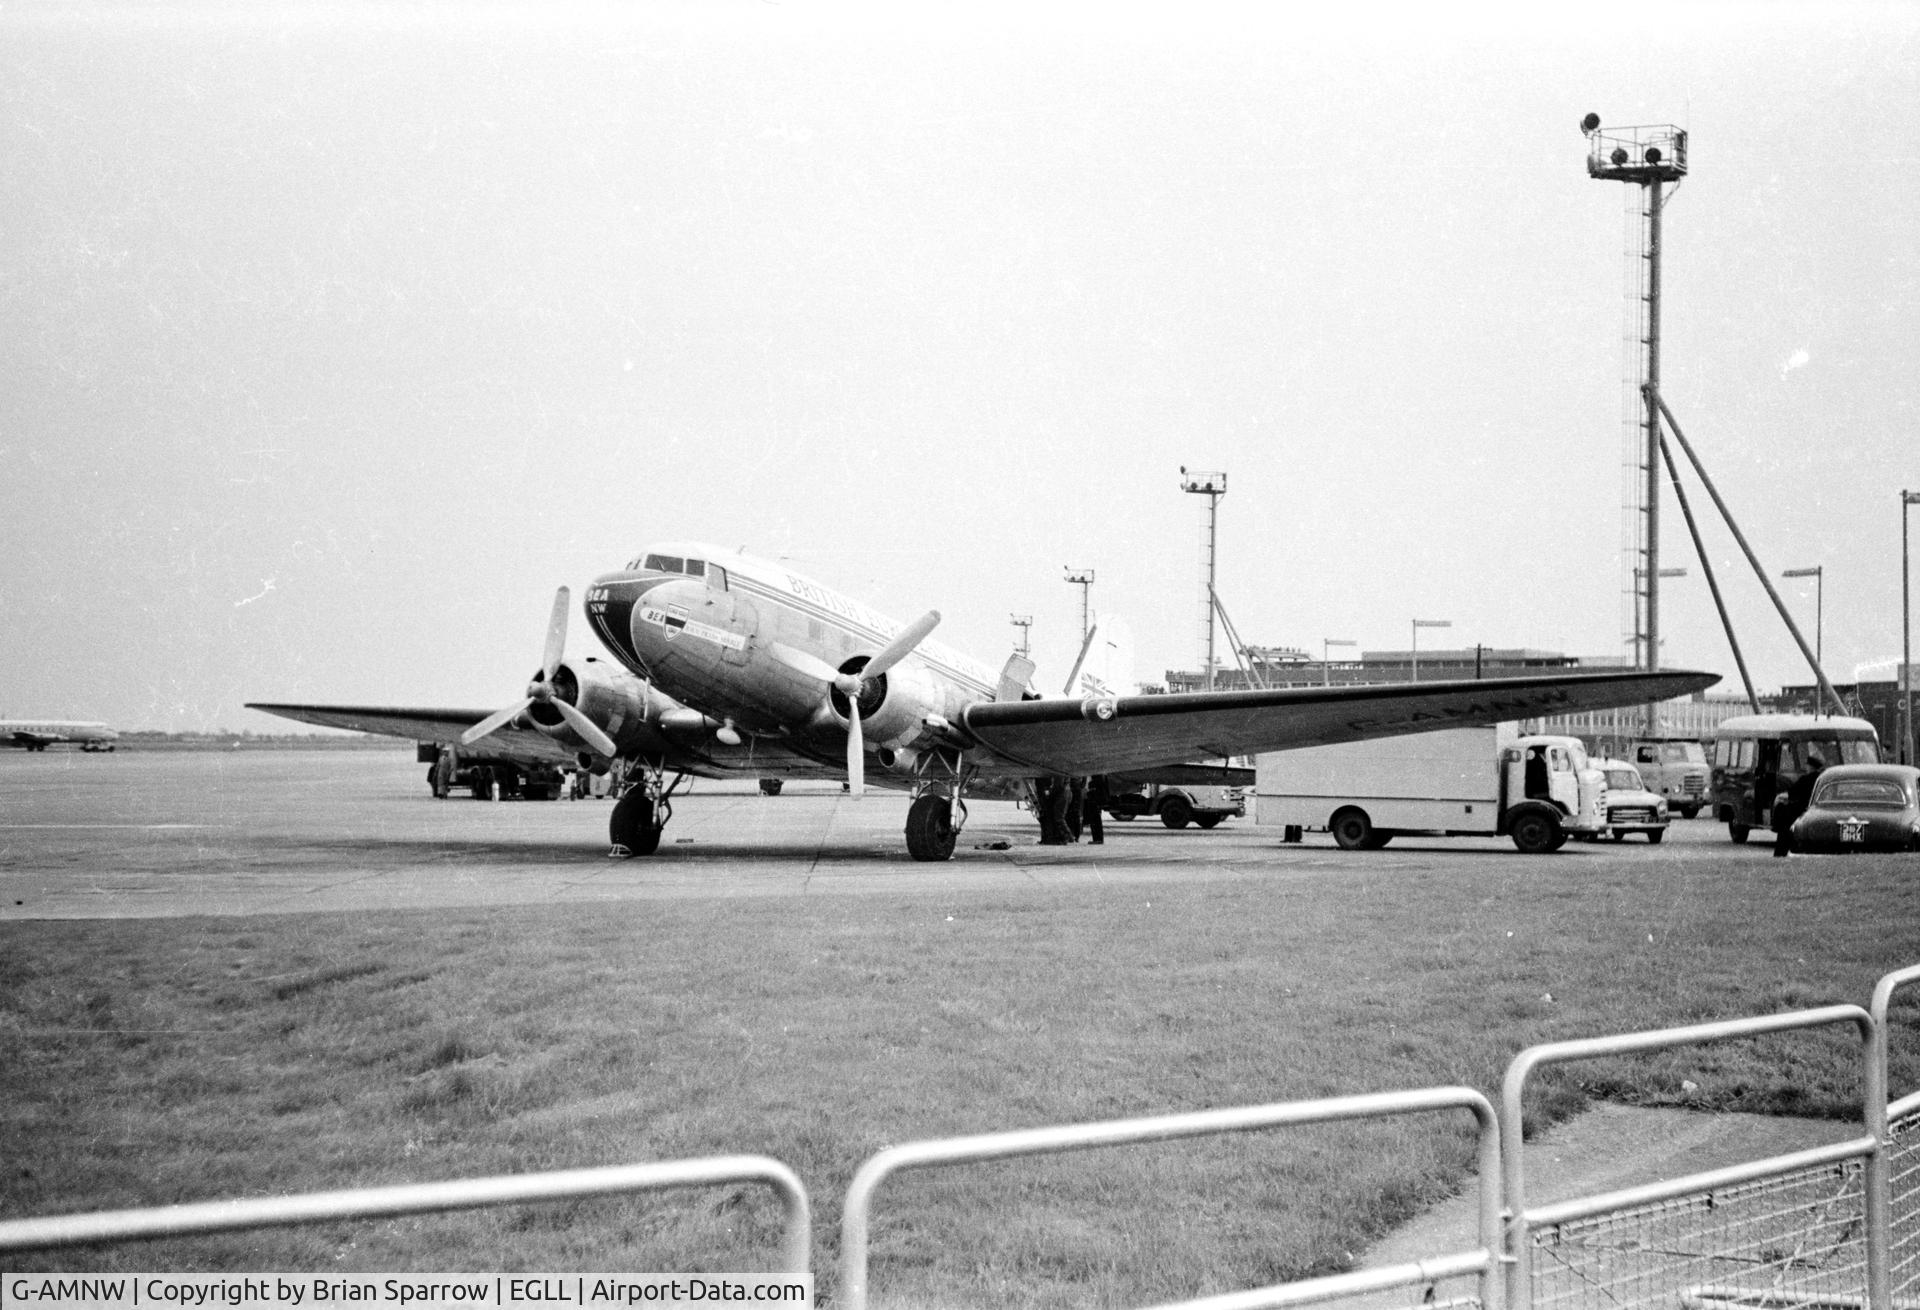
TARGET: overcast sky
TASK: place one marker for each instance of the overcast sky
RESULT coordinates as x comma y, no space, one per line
336,337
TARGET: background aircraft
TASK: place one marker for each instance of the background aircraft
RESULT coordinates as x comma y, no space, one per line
38,734
731,665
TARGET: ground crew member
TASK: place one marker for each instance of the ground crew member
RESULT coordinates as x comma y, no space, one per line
1799,796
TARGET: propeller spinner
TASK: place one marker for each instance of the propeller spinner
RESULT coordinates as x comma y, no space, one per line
853,685
541,690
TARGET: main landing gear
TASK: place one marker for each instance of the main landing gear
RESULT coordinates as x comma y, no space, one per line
935,819
641,812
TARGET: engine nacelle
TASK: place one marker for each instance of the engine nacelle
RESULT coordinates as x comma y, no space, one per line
620,705
894,710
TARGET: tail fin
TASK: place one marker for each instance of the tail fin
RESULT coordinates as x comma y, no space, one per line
1106,669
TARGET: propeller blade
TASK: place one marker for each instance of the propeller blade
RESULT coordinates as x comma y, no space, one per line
494,722
801,662
856,753
556,635
586,727
897,649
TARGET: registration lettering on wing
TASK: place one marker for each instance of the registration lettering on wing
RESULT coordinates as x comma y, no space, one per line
674,620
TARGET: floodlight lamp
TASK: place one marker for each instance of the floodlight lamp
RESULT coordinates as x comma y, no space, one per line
1653,154
1590,124
1619,156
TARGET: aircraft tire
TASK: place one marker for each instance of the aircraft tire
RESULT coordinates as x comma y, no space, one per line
1209,820
930,834
631,825
1351,829
1177,812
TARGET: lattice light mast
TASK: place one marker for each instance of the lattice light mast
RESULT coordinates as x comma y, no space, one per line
1212,486
1083,579
1650,158
1024,622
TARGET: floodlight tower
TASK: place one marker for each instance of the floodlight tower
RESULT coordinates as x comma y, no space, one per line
1212,486
1083,579
1649,158
1024,622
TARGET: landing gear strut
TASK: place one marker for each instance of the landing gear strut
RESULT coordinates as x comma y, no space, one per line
640,813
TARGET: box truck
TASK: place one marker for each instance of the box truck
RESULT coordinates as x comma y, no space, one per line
1460,782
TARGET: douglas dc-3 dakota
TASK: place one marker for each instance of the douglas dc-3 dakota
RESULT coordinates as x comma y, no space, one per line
733,666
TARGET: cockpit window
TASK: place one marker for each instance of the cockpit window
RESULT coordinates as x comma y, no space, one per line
693,568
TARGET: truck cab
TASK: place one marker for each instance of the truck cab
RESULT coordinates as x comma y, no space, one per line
1674,769
1177,806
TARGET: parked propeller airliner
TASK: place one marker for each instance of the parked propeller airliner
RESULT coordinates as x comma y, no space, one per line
38,734
733,666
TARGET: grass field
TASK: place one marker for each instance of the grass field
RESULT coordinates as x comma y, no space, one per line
152,1062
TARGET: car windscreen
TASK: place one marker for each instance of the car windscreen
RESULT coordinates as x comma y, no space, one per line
1623,780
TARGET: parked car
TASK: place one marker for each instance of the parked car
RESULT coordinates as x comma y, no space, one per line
1861,807
1630,806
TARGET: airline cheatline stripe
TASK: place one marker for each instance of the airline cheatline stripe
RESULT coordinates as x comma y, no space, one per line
974,678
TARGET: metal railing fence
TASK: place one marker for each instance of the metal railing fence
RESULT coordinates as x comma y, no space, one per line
1900,1135
1481,1262
425,1198
1646,1268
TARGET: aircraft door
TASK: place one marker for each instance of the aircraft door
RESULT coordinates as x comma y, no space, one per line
746,622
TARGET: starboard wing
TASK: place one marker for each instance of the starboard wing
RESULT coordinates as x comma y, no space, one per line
1114,735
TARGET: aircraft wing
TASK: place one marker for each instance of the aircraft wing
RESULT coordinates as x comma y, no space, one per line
1130,733
440,726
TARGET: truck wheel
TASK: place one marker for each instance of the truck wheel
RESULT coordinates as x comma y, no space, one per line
1655,835
770,786
1377,840
1738,832
1690,811
1209,820
1535,833
1351,830
1176,813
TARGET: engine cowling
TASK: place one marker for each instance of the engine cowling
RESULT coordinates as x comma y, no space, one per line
620,705
894,705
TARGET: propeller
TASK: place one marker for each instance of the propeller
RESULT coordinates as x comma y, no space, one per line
854,685
541,690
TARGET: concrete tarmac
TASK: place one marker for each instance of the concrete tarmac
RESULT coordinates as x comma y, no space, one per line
167,833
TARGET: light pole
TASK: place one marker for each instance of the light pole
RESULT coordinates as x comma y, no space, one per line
1083,579
1906,637
1818,574
1024,622
1326,678
1417,625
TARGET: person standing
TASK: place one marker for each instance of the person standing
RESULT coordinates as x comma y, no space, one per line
1799,796
1094,808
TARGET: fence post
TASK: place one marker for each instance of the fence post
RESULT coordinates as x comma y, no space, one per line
1879,1165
